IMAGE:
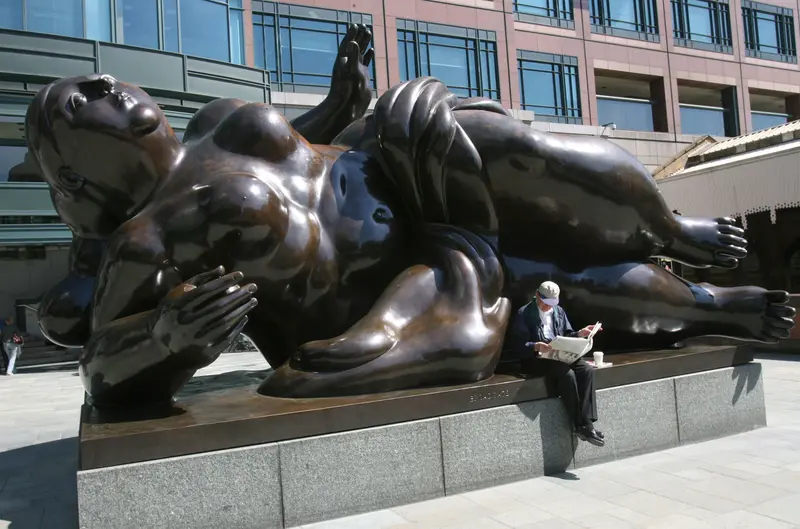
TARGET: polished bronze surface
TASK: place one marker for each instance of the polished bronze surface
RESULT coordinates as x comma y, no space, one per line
223,411
390,259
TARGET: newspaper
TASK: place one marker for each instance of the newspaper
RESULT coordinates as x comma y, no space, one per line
569,350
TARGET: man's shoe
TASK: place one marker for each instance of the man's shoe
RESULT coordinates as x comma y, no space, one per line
600,434
590,435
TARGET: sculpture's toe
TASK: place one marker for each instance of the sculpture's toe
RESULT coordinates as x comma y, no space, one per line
778,316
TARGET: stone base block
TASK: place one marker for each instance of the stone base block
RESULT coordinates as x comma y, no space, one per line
719,403
500,445
290,483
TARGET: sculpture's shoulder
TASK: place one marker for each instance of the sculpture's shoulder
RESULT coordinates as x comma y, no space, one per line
259,130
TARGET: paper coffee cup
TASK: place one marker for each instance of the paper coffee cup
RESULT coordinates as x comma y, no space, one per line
598,358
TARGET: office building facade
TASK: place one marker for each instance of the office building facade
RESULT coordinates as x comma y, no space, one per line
652,75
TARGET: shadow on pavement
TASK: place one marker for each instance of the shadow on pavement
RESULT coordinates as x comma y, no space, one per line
37,486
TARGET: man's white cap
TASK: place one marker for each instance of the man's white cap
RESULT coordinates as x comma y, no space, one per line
548,293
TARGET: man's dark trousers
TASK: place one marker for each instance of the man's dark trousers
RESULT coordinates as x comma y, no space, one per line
575,386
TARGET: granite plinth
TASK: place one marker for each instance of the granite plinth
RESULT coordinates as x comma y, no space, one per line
224,411
500,445
720,403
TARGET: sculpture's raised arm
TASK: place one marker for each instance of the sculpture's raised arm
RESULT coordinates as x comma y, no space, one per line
350,93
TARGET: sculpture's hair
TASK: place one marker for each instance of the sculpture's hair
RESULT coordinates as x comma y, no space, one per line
423,144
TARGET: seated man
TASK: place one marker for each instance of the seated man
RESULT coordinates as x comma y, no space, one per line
540,322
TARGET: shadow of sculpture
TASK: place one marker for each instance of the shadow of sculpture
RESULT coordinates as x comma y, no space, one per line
390,257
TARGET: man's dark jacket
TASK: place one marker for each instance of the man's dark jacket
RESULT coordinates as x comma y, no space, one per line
527,327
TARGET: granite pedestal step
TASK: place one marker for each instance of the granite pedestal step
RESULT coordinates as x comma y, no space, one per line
227,457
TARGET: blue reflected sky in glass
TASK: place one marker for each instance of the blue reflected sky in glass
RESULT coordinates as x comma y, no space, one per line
454,66
628,115
11,14
10,156
538,90
139,22
204,29
623,14
237,36
98,20
57,17
311,52
702,121
541,8
171,36
700,21
767,32
765,121
407,55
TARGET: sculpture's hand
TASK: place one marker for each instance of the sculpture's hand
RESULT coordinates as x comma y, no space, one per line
203,316
350,82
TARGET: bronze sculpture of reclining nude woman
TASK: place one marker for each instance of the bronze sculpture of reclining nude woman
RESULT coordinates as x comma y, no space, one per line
389,259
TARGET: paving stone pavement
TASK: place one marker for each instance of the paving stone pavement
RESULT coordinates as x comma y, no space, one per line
748,481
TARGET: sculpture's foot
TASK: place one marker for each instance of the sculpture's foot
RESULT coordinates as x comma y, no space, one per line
753,312
708,242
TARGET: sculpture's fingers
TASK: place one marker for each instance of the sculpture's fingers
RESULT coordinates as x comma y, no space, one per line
353,56
208,291
223,325
352,32
205,277
368,57
226,339
224,305
364,38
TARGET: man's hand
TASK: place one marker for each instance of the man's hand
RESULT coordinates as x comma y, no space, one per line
586,331
541,347
350,82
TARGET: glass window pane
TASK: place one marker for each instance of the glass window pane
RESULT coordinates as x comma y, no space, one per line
139,22
59,17
271,50
702,121
237,36
449,65
543,8
98,20
700,22
627,115
10,156
11,14
539,91
312,52
171,40
258,47
623,14
767,33
204,29
765,121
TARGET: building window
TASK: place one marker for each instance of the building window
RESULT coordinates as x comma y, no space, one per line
708,110
57,17
625,18
464,59
769,32
11,155
702,24
557,13
298,45
211,29
625,112
549,86
766,120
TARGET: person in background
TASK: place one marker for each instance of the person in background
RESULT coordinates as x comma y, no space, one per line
540,322
11,343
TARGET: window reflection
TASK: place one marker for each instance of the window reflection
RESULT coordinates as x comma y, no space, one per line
545,8
702,21
769,31
204,29
302,51
467,65
627,114
550,89
10,156
700,120
171,36
58,17
139,22
98,20
11,14
638,16
765,120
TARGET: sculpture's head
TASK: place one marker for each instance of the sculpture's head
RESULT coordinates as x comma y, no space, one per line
103,147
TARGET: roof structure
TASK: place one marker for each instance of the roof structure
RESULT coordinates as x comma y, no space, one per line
747,143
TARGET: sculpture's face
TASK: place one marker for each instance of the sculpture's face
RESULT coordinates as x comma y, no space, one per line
102,146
